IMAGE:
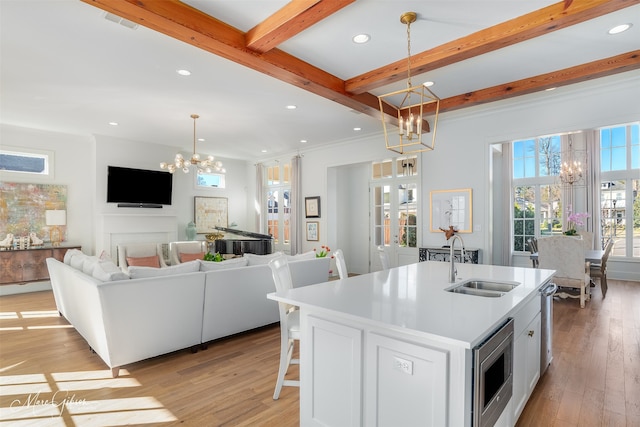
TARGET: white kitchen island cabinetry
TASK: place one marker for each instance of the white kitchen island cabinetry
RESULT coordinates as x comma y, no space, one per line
395,348
526,355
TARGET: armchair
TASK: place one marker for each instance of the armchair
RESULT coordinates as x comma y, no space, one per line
189,249
566,255
143,254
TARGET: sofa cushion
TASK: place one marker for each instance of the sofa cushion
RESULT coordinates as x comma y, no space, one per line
186,257
77,261
145,261
70,253
88,264
299,257
137,272
107,271
230,263
261,259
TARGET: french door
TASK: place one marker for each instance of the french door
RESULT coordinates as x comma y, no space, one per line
394,195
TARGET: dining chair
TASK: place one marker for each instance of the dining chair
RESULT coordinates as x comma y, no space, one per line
587,239
533,248
341,265
289,323
565,255
384,258
186,251
599,271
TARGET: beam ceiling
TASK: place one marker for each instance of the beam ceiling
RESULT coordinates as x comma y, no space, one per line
257,49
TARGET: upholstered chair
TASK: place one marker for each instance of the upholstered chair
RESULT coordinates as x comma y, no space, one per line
565,254
180,252
140,254
587,239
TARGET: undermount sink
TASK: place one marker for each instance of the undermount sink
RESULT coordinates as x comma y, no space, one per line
483,288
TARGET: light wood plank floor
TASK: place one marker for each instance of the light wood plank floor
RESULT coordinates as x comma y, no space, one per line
48,376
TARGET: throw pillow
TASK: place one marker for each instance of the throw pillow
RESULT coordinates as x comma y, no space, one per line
88,264
186,257
104,256
137,272
77,261
70,253
222,265
261,259
299,257
107,271
145,261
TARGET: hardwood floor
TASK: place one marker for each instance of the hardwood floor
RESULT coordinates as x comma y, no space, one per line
49,377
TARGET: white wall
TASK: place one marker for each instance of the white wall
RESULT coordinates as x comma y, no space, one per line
461,158
335,173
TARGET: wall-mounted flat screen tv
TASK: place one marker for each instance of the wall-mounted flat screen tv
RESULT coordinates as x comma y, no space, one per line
138,187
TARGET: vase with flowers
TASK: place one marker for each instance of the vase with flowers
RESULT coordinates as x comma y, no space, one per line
323,252
575,220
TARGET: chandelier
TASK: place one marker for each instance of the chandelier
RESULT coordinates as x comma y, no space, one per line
571,168
207,165
409,106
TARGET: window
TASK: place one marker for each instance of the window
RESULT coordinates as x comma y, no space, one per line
25,162
537,196
619,187
210,180
278,203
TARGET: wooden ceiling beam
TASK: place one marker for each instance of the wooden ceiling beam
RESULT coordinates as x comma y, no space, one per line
601,68
520,29
292,19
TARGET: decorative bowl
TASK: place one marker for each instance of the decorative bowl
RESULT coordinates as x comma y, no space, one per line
212,237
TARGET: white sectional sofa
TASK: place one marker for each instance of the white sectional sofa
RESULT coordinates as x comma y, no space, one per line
125,320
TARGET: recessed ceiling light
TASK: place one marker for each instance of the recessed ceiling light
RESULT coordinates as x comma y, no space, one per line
620,28
201,139
550,89
184,72
263,151
291,107
303,141
113,123
357,129
361,38
428,84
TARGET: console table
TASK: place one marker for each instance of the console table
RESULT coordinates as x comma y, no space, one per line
472,256
29,265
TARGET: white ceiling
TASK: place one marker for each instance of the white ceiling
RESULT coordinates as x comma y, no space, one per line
65,68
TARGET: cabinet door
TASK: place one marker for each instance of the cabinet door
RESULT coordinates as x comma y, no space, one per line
10,267
34,265
405,383
526,364
330,374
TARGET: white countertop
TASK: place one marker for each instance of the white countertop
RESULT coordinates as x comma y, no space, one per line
412,299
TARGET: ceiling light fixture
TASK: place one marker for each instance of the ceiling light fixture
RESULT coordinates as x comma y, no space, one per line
184,72
207,165
361,38
619,29
571,170
411,124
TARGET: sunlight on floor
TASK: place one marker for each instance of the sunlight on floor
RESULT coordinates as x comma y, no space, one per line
65,398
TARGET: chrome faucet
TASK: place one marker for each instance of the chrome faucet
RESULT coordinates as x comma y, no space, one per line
452,269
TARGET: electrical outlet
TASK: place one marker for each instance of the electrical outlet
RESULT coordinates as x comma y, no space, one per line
403,365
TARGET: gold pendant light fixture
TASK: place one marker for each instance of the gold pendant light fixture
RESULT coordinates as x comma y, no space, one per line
409,105
207,165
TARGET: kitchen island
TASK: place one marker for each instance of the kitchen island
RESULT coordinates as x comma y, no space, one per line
396,348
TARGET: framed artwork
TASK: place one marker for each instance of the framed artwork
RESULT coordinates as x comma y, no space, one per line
312,231
210,212
312,207
451,208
